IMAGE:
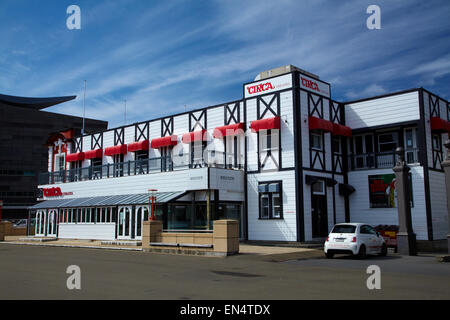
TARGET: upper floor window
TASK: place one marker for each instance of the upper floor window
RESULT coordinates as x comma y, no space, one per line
437,142
337,144
269,139
141,155
96,162
60,162
387,142
316,140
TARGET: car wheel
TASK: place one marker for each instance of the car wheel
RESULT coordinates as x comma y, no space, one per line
362,252
329,255
384,250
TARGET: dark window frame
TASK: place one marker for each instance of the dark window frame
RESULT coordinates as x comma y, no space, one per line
270,196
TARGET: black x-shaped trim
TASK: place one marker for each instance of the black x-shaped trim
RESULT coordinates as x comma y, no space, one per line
119,136
78,144
335,112
197,121
268,106
97,141
141,133
434,106
166,127
317,106
233,115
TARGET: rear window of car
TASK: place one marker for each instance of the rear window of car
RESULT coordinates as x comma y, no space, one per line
344,228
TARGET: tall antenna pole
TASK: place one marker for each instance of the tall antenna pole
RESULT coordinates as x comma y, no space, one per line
84,106
125,111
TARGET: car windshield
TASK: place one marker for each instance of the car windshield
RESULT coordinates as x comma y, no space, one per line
344,228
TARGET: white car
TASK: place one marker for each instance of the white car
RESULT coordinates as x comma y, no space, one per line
359,239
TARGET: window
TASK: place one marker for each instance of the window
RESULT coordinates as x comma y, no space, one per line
337,144
270,200
316,141
197,149
363,151
269,139
387,142
60,162
318,187
141,154
96,162
365,229
344,228
437,144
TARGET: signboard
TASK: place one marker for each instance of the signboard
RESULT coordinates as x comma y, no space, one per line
314,85
268,85
382,193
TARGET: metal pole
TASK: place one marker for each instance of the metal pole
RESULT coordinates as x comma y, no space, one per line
208,209
1,208
446,165
125,111
84,106
406,239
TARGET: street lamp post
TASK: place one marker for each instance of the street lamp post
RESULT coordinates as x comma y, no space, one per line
406,239
446,165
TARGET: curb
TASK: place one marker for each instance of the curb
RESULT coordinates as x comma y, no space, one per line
71,246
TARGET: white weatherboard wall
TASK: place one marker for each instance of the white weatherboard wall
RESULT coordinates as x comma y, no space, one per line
360,210
339,202
95,231
272,229
383,111
439,215
230,182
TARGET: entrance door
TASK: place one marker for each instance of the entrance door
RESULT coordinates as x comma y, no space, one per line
140,214
319,212
124,223
52,222
40,223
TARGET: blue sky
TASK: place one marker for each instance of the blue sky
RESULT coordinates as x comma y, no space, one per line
169,56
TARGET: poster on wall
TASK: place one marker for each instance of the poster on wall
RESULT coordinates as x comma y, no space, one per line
382,193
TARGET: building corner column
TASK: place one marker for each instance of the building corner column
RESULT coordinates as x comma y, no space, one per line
446,165
406,239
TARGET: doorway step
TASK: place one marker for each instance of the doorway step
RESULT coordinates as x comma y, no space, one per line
122,243
38,239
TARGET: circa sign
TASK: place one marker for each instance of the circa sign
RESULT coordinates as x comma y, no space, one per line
314,85
54,192
268,85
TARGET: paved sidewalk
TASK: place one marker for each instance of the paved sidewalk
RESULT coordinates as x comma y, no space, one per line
251,251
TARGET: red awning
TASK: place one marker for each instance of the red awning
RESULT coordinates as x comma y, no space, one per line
75,157
194,136
164,142
341,130
138,146
265,124
97,153
439,125
111,151
320,124
228,130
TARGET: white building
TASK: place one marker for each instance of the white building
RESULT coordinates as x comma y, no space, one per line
286,160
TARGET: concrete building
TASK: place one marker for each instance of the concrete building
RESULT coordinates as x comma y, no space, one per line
24,130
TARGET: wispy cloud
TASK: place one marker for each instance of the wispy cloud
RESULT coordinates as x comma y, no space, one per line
164,55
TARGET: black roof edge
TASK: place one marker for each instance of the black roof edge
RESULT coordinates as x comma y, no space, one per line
34,103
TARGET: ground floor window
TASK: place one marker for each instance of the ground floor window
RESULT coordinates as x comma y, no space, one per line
270,200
